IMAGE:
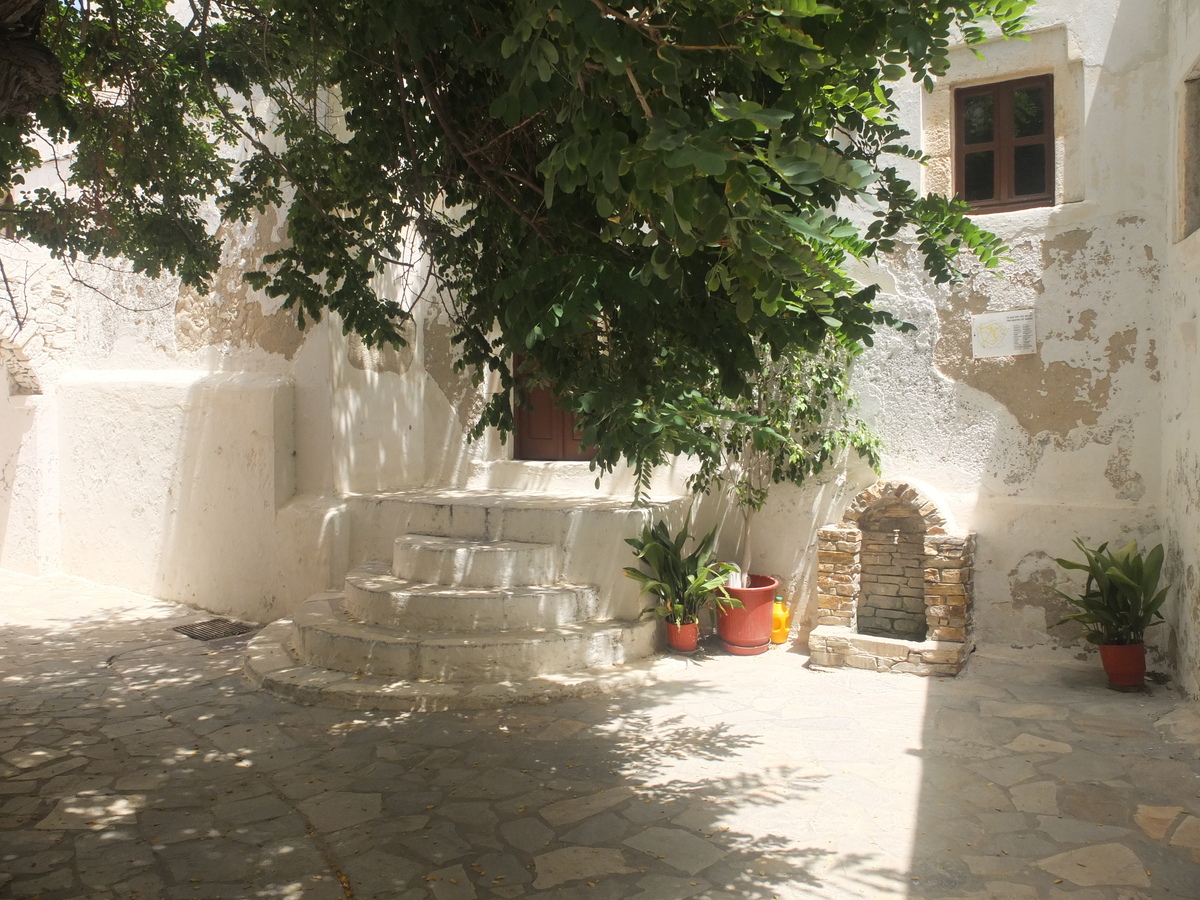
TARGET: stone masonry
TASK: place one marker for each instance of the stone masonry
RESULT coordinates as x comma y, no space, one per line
893,588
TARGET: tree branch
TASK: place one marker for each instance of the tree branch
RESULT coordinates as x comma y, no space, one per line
439,110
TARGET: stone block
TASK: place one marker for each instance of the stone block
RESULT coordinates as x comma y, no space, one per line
826,658
845,590
943,633
944,656
862,662
957,576
844,558
906,591
833,620
946,590
926,669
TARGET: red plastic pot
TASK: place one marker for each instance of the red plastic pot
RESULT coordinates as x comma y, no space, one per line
1125,665
683,638
747,631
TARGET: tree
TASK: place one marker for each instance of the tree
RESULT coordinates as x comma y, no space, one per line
642,199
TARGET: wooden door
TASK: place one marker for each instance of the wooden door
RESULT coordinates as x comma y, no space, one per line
546,431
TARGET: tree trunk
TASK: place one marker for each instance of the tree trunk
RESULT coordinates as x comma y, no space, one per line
29,72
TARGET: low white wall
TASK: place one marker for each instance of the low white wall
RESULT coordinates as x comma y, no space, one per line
173,483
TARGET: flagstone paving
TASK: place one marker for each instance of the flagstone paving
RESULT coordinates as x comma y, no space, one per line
138,763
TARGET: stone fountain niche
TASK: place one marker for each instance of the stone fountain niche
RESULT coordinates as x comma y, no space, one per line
894,589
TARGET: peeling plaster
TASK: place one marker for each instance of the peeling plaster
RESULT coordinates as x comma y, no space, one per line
439,358
1127,483
1063,248
232,313
1054,397
1031,584
384,358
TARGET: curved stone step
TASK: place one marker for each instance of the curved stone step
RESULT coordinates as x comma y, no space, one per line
468,562
271,664
327,637
377,597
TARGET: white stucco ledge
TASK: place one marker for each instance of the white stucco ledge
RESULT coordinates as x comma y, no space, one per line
836,646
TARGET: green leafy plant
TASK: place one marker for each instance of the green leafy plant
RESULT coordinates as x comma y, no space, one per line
640,198
684,585
1121,597
799,415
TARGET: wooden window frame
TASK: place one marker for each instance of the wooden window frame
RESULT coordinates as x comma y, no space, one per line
1003,143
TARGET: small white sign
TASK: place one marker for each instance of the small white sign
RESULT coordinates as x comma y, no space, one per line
1003,334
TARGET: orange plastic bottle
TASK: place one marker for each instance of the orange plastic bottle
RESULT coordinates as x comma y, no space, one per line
781,621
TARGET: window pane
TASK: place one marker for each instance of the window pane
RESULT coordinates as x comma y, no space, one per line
1029,169
977,119
1029,111
979,182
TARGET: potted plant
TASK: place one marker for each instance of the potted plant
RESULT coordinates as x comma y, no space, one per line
1120,600
798,417
684,585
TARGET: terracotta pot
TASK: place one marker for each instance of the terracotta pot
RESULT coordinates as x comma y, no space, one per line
1125,665
683,638
747,631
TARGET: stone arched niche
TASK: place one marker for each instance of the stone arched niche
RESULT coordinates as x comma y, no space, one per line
894,587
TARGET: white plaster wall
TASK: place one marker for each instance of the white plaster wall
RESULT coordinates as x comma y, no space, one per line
198,447
28,489
1181,365
1029,452
173,482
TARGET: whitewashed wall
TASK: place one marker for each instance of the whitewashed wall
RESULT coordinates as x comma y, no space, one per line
1180,364
202,447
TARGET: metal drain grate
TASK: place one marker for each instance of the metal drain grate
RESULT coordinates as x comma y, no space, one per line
214,629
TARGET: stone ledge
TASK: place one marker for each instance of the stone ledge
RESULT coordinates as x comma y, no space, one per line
835,646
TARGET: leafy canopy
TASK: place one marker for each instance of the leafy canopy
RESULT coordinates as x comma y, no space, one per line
644,200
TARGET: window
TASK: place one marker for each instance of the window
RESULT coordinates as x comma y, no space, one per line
1190,146
1004,144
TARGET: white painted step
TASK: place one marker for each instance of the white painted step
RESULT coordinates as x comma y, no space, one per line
377,597
271,664
469,562
327,637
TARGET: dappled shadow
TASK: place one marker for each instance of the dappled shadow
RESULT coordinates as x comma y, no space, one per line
703,786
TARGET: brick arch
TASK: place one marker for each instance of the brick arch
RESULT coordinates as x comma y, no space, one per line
892,559
885,493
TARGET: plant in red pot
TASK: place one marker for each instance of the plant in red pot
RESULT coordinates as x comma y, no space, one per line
683,585
1120,600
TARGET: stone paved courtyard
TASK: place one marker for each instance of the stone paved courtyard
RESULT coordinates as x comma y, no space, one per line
136,762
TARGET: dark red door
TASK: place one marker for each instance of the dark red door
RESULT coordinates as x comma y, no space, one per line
546,430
